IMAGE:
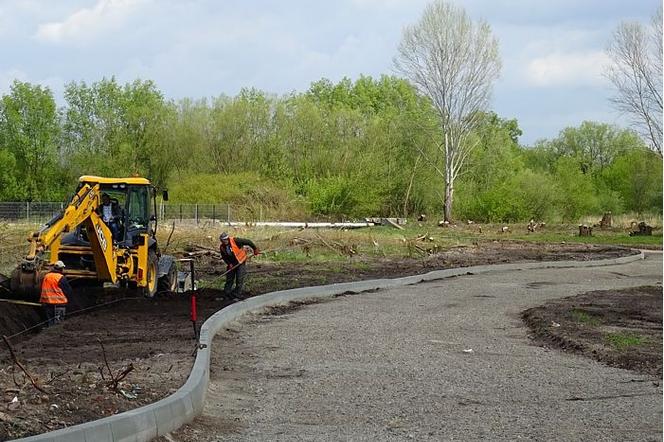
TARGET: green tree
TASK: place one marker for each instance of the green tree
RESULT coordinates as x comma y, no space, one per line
636,177
576,190
594,145
453,62
29,131
9,188
114,129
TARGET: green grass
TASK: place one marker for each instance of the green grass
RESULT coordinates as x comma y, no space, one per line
584,317
284,245
599,237
624,340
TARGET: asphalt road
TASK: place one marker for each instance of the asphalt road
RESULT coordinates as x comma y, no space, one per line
446,360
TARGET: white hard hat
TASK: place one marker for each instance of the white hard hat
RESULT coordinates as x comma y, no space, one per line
59,265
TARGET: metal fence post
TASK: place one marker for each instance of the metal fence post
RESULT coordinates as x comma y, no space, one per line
214,214
180,212
228,213
196,213
27,210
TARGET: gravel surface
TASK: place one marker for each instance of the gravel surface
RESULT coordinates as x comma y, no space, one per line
447,360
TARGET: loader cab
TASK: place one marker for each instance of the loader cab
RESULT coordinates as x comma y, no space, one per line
135,198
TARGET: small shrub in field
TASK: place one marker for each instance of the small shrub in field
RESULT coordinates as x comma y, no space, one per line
584,317
622,341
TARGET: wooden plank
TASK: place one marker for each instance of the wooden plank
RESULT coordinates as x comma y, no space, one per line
392,223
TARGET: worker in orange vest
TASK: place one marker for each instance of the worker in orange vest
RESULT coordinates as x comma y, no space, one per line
233,253
54,291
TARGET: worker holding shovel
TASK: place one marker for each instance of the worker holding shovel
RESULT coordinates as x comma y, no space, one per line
233,253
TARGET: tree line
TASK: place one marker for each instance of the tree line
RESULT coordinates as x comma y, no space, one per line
424,143
352,148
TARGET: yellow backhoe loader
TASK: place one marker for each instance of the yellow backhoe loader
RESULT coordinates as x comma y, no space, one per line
79,237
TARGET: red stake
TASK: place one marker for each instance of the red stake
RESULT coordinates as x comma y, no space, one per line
194,314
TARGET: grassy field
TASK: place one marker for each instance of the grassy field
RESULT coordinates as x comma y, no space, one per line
416,238
330,245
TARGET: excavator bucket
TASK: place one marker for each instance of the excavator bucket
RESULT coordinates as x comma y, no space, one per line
21,284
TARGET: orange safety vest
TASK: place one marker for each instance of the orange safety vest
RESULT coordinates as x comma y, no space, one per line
239,252
51,293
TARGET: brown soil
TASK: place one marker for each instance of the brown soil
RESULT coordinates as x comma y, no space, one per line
621,328
156,336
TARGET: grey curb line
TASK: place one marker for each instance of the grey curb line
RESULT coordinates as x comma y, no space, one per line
168,414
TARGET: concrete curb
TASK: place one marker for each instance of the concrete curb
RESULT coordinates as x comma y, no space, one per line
170,413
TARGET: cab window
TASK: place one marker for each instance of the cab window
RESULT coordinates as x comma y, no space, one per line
137,207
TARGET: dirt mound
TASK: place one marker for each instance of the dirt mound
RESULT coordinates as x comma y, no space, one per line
622,328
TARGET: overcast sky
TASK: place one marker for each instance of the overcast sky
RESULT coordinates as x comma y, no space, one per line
552,51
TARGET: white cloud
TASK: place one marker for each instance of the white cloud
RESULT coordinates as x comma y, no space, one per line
570,69
86,23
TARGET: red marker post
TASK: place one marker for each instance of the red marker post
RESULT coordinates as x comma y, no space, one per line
194,313
193,310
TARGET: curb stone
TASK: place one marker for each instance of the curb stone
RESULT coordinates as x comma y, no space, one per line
169,414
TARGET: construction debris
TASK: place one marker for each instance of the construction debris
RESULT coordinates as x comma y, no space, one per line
533,226
415,249
388,221
644,230
304,225
393,222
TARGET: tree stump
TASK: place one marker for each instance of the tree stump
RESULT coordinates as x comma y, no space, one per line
606,221
585,230
644,230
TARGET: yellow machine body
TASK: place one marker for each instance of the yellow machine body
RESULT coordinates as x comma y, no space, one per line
80,238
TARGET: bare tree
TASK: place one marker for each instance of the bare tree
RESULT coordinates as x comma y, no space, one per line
453,62
636,73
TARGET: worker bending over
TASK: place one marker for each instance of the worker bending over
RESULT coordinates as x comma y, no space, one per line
233,253
54,291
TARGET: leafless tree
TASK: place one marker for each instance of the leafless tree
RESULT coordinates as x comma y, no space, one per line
453,62
636,73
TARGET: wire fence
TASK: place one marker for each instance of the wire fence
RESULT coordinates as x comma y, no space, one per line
41,212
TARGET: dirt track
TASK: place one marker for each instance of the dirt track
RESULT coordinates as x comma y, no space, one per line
155,336
443,360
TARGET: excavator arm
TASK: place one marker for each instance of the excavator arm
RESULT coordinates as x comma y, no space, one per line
81,210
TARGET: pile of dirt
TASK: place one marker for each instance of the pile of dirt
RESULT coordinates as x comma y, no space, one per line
621,328
156,336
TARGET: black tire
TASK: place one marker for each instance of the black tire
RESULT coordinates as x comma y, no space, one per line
169,282
151,289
